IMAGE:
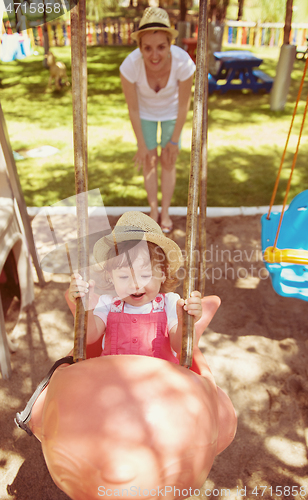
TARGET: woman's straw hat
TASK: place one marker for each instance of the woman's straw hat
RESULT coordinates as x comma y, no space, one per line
154,18
138,226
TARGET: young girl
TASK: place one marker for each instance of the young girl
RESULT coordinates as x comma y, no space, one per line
141,314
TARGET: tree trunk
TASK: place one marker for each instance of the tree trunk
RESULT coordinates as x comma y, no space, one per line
45,38
288,22
143,4
224,10
183,10
218,10
212,10
240,10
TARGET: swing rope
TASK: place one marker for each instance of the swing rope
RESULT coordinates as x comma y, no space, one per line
273,254
197,177
79,98
291,174
203,170
287,142
79,95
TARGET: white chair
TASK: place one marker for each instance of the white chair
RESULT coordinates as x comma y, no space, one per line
16,236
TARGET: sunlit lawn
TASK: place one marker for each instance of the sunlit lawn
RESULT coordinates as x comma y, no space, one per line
246,138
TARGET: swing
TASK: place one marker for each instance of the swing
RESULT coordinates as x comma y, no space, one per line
284,235
133,425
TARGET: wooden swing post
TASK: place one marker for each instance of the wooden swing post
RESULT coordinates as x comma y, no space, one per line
197,174
203,171
79,94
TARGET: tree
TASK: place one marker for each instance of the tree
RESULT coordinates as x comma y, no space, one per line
184,6
240,9
218,9
271,11
96,10
183,10
288,22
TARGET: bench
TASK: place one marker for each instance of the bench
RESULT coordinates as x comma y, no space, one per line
301,53
212,83
264,81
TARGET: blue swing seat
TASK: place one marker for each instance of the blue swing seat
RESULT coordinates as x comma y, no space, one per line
288,279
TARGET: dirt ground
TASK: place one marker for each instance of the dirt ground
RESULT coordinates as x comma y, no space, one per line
256,347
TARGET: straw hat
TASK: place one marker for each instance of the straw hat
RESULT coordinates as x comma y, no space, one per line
138,226
154,18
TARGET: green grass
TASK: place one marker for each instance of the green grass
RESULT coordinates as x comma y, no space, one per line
246,138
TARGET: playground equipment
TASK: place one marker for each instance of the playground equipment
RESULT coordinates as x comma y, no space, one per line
11,240
284,236
15,46
119,425
16,237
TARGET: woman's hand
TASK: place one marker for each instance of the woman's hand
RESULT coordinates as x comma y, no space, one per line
145,158
79,288
170,153
141,157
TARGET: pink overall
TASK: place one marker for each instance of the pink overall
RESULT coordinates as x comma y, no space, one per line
143,334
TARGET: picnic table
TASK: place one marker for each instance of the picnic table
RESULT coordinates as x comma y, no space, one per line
239,70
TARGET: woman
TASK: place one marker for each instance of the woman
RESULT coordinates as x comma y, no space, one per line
156,81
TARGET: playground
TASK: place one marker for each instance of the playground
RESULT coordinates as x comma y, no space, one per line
256,345
243,133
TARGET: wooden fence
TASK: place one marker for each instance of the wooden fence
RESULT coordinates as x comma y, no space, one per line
269,34
118,32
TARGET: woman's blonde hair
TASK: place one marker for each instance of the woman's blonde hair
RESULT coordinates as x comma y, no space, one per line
125,259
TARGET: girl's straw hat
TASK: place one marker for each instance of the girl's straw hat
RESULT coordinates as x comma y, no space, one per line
138,226
154,18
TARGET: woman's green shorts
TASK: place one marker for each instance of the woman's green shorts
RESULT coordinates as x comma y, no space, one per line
149,130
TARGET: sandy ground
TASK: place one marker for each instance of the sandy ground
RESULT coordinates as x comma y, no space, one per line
256,347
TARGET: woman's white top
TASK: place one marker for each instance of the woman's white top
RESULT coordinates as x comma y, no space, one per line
162,105
104,304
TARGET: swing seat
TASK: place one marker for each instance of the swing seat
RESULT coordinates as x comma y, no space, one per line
133,425
288,263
